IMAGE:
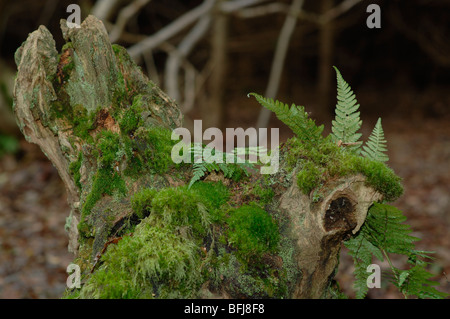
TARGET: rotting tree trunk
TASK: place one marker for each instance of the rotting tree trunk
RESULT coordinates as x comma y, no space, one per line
91,110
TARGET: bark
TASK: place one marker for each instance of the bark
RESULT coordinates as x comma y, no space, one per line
92,80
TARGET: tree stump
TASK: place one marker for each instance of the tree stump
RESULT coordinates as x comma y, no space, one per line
135,228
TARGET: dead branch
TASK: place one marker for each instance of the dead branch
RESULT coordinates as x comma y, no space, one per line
124,16
279,58
169,31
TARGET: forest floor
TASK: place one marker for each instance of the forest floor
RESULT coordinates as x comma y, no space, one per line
33,208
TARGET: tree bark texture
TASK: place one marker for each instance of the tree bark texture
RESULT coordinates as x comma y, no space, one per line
93,113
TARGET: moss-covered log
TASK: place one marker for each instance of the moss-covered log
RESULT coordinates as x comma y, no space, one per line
136,229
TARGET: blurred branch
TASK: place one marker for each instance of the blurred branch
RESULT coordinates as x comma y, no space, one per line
279,58
124,16
263,10
183,49
104,9
170,30
213,112
235,5
151,67
337,11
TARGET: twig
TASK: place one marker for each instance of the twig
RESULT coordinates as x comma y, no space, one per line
279,58
263,10
151,67
235,5
170,30
337,11
183,49
103,9
124,16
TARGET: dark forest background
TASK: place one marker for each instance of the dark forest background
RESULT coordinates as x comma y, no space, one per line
400,72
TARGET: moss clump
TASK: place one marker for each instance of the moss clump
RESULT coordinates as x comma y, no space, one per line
180,207
252,231
107,179
154,149
309,177
77,116
215,196
141,202
132,119
153,263
327,161
74,169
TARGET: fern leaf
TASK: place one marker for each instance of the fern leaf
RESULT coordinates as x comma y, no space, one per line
375,147
384,232
295,118
347,122
199,170
416,282
362,250
385,225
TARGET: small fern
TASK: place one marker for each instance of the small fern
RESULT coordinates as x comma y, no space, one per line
295,118
384,232
375,147
228,165
347,122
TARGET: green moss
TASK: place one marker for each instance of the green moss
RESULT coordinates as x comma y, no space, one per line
132,118
74,169
155,148
180,207
215,196
107,179
264,193
66,46
309,177
153,263
141,202
328,161
252,231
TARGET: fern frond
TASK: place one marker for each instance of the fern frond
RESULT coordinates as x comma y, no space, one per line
230,170
416,282
295,118
385,225
375,147
384,232
347,122
362,251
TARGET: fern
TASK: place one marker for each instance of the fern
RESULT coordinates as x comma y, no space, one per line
375,147
295,118
384,232
229,165
347,122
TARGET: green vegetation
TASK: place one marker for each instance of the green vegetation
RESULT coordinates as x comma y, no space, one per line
252,231
74,169
202,163
376,145
8,144
215,234
154,263
295,118
347,123
384,233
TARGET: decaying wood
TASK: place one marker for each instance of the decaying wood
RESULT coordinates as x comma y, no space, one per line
316,229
